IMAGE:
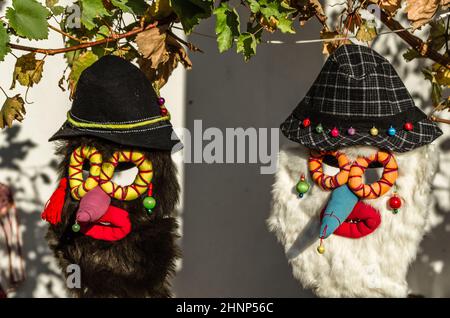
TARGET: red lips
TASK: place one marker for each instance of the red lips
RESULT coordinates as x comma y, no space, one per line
114,225
362,221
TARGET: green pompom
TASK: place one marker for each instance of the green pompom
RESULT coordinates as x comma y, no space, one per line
302,187
76,227
149,203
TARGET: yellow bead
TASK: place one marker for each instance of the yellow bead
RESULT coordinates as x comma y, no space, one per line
321,249
374,131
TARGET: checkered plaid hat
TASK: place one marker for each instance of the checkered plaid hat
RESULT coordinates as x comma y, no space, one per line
359,99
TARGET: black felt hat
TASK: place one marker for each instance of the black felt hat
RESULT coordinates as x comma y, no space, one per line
359,99
115,101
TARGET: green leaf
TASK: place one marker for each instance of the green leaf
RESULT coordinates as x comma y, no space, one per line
227,26
54,8
285,25
131,6
90,10
82,62
29,19
4,40
28,70
438,34
191,12
246,45
410,55
254,6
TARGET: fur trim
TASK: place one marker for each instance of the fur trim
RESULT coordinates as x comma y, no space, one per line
142,263
372,266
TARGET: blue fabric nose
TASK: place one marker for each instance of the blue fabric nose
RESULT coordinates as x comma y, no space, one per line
341,204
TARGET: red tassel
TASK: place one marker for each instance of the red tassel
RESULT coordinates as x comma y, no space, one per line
54,206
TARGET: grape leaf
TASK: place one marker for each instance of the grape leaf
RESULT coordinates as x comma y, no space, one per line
227,26
366,32
90,10
420,12
410,55
83,61
160,9
285,25
27,71
191,12
12,109
246,45
254,6
54,8
131,6
4,40
152,45
29,19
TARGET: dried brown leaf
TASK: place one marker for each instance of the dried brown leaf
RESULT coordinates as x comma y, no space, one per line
390,6
152,45
366,32
27,71
420,12
12,109
330,46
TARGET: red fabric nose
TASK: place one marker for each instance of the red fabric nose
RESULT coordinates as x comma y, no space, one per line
363,220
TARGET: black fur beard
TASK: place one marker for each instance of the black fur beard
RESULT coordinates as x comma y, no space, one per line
142,263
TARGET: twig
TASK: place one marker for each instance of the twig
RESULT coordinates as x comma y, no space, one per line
81,46
416,43
1,88
189,45
65,33
440,120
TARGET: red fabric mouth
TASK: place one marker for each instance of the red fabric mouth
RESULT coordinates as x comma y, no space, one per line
114,225
363,220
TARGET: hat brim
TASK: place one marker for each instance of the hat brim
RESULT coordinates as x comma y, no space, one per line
160,136
424,132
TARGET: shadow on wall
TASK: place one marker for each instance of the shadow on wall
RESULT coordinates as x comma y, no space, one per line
25,183
227,248
429,274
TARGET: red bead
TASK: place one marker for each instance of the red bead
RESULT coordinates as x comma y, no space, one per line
395,202
163,111
334,132
408,126
306,122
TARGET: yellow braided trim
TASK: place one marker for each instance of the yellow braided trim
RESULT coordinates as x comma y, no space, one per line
79,188
80,124
141,182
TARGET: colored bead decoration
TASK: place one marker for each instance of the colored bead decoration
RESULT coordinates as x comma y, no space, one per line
321,249
161,101
76,227
408,126
351,131
334,132
149,203
374,131
164,111
391,131
306,122
319,129
302,186
395,202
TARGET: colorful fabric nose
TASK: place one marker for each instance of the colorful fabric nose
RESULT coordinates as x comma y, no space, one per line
341,204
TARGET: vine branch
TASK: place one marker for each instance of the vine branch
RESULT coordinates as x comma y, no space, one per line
85,45
416,43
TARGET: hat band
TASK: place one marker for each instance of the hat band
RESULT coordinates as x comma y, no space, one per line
117,126
360,122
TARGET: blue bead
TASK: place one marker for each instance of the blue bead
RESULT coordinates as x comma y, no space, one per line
392,131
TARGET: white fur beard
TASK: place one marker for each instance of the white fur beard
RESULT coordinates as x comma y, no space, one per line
372,266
